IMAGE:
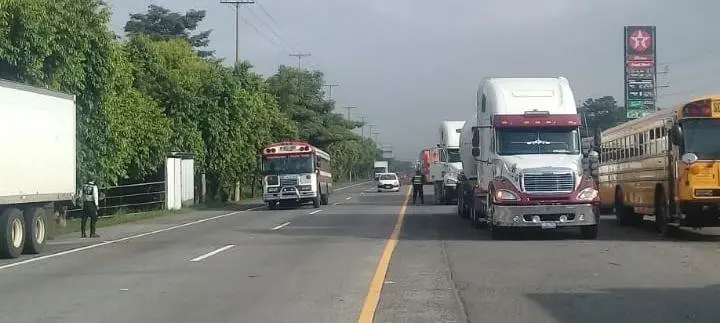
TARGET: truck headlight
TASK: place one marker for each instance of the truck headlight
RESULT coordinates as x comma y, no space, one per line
587,194
505,195
273,189
305,187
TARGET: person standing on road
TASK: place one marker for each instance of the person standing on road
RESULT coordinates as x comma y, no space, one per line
91,203
417,184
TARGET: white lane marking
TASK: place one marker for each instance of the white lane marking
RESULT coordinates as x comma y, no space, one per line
358,184
280,226
104,243
316,211
349,197
212,253
336,203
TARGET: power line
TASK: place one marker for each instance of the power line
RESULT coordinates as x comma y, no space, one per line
237,4
267,13
269,40
272,30
348,109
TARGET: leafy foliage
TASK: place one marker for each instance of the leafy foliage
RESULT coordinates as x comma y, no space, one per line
601,113
161,24
140,99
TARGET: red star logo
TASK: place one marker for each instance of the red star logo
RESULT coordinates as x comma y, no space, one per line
640,41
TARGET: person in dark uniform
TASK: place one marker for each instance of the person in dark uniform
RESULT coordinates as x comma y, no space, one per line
417,185
91,202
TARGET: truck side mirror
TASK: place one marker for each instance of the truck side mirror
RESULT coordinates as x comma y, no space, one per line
475,137
676,135
476,151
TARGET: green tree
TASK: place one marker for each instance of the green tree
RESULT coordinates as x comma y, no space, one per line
67,46
161,24
601,113
300,96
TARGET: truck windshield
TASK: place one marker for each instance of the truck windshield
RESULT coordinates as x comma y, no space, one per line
453,156
287,165
380,170
697,135
538,141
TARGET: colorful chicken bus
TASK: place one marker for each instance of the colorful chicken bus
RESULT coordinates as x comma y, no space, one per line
295,173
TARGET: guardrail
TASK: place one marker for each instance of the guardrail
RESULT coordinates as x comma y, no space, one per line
140,197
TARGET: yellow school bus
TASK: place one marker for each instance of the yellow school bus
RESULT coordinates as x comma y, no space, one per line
665,165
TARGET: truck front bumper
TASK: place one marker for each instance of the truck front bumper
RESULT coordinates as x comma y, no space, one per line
545,216
288,194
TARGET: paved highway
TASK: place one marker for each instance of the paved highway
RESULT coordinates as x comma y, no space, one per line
336,264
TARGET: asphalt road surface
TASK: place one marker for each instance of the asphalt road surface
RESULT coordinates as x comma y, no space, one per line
336,264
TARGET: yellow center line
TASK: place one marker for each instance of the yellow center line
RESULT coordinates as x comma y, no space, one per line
367,315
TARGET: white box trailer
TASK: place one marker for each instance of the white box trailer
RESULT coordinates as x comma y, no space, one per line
38,165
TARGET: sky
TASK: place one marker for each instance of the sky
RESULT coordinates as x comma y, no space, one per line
410,64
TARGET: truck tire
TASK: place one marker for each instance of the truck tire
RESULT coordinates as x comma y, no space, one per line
12,228
35,230
316,202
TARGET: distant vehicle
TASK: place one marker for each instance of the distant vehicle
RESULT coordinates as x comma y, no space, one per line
388,182
381,166
529,164
295,172
428,156
665,165
444,171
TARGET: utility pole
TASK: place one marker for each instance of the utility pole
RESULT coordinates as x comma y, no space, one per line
370,127
363,118
376,133
349,108
237,4
665,71
299,57
330,86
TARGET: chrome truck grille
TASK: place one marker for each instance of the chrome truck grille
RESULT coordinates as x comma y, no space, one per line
548,182
288,182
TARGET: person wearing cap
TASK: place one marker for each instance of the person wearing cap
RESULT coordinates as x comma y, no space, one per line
91,203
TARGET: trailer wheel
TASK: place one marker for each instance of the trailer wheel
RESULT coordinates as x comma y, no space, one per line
35,230
12,226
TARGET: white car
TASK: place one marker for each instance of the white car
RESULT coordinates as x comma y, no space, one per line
388,182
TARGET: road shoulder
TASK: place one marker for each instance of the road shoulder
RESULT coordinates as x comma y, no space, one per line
419,287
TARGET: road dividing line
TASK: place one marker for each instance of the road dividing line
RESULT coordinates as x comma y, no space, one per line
109,242
316,211
348,198
212,253
358,184
367,314
280,226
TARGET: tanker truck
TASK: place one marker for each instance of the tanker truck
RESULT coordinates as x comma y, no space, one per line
527,159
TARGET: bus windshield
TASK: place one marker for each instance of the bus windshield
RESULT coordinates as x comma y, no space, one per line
453,155
280,165
538,141
697,135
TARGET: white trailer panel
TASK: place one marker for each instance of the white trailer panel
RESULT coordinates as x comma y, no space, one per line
38,162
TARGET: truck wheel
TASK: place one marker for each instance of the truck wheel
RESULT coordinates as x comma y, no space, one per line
12,226
316,202
35,230
589,231
273,205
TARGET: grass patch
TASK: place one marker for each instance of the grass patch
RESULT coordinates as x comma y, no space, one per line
73,225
